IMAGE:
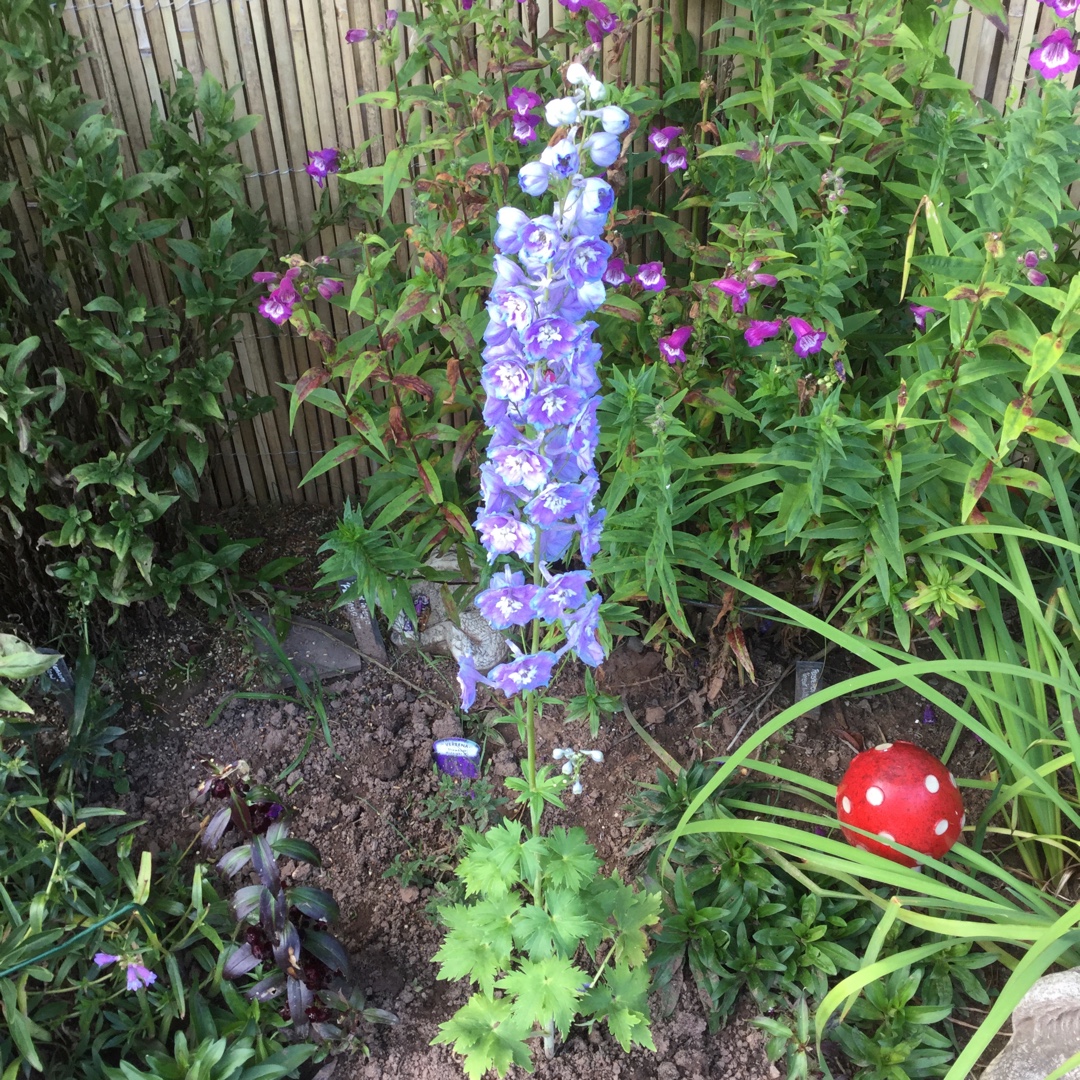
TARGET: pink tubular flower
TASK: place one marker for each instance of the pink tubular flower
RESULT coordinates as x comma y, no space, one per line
920,311
671,346
1054,55
807,340
328,287
139,977
353,36
661,138
651,276
761,330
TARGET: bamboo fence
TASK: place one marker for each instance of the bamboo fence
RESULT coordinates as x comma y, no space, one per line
295,70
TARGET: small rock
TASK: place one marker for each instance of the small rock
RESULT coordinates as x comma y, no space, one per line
399,691
409,894
654,715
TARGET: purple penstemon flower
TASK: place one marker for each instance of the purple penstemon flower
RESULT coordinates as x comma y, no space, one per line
615,274
738,290
650,276
760,330
661,138
671,346
920,311
675,159
807,340
359,34
1055,55
1063,9
539,484
321,163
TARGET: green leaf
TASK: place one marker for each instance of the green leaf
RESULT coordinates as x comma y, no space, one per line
493,866
570,860
480,942
23,1030
622,1000
488,1035
545,989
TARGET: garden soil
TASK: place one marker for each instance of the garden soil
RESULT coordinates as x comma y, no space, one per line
360,803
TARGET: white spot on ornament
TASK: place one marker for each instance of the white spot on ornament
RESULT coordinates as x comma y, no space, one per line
941,827
875,796
888,837
883,746
952,779
845,802
932,784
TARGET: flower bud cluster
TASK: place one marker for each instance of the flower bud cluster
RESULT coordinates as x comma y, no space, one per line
1030,260
573,760
539,483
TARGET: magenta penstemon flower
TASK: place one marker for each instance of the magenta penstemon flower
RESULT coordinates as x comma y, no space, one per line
359,34
615,274
760,331
675,159
1054,55
1063,9
736,289
661,138
920,311
650,276
322,163
807,340
671,346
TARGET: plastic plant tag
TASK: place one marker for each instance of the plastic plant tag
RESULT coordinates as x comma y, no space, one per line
808,681
59,674
457,757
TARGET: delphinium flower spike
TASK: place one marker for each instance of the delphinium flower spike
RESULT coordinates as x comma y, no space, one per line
539,483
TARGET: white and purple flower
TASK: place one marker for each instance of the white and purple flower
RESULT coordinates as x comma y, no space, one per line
1055,55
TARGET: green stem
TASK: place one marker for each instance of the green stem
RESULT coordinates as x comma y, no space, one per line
489,141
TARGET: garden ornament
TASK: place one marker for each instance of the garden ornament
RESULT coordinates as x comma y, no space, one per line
902,793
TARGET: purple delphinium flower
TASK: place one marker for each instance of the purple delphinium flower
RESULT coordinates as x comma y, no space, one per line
650,276
661,138
359,34
322,163
807,340
761,330
1054,55
526,673
671,346
920,311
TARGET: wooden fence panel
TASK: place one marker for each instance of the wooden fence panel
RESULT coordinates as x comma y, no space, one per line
297,72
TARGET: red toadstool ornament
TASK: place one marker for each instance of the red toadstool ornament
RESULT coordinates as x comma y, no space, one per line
906,796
